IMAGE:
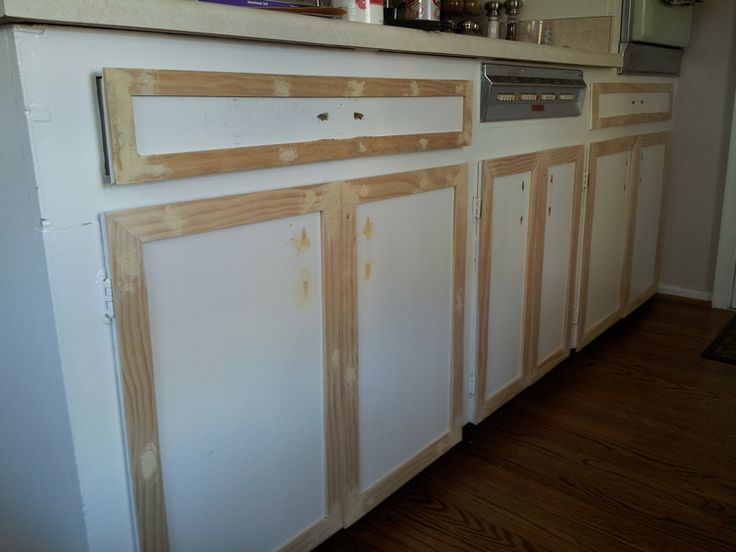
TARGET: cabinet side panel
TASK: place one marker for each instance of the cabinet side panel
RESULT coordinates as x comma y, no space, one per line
648,211
509,220
237,338
40,502
607,239
405,312
556,266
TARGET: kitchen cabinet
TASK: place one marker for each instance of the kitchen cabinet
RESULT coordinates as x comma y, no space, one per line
232,321
649,193
623,218
528,236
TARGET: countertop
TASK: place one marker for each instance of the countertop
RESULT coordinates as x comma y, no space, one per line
206,19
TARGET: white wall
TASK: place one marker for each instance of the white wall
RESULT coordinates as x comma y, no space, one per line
702,124
40,504
558,9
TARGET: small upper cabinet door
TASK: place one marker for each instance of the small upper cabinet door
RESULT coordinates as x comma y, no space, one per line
604,248
227,325
405,248
503,280
560,201
650,186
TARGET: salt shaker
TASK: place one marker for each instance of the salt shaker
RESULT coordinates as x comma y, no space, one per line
512,7
494,25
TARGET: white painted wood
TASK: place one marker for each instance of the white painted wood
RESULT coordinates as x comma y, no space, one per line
404,328
556,261
236,327
648,213
57,63
232,122
509,228
608,238
613,105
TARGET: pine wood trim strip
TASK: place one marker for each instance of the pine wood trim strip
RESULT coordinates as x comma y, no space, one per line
130,167
600,88
550,158
597,149
502,396
376,189
643,141
127,232
492,169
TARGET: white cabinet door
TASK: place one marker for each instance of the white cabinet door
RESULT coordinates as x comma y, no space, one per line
604,249
227,319
650,192
503,269
405,237
560,201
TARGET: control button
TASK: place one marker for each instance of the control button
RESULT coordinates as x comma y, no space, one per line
505,97
526,97
548,97
567,97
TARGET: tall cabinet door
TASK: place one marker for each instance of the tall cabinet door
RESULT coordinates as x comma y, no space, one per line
504,258
604,247
404,238
561,187
648,196
227,319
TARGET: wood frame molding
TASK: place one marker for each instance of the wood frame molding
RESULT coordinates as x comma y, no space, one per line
538,163
643,141
359,502
600,149
492,169
129,167
575,154
127,232
600,88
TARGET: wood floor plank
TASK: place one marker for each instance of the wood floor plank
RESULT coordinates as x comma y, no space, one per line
630,444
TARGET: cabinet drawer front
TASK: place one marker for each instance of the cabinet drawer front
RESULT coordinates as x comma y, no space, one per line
172,124
618,103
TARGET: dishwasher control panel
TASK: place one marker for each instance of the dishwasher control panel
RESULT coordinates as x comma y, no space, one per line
517,92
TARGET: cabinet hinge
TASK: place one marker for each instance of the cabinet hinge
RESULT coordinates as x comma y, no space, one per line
108,304
472,384
476,207
586,180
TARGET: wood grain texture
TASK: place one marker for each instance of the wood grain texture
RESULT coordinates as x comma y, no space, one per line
127,232
600,88
628,445
643,141
130,167
492,169
597,149
380,188
576,154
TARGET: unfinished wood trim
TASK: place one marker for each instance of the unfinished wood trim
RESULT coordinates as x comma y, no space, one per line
129,167
552,158
375,494
597,149
633,201
504,395
492,169
376,189
643,141
127,232
600,88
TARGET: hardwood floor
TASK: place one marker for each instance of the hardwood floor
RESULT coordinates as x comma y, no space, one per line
628,445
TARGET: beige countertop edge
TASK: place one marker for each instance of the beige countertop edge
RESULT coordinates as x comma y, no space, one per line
206,19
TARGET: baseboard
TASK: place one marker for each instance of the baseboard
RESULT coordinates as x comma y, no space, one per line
687,293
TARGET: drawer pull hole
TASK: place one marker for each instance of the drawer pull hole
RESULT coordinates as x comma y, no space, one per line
323,116
358,116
